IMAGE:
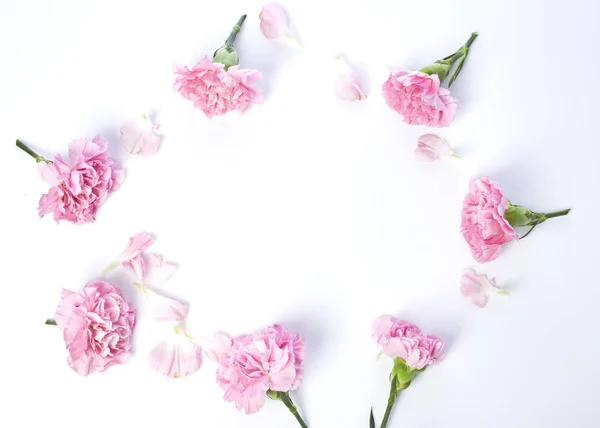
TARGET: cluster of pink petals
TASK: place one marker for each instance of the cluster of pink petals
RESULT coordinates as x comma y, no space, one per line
216,91
79,187
401,339
271,359
476,287
430,147
483,224
97,326
139,137
418,97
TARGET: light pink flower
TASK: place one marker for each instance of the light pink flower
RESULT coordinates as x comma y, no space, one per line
347,86
216,91
97,326
483,224
271,359
176,358
79,187
418,97
139,137
477,287
274,22
401,339
430,147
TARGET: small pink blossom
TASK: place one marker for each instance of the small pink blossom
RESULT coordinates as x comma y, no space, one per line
216,91
274,22
430,147
477,287
139,137
401,339
418,97
483,224
79,187
347,85
97,326
176,358
271,359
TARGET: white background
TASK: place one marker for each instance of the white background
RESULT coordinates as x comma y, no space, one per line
308,211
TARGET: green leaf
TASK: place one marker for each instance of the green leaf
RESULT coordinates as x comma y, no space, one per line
371,420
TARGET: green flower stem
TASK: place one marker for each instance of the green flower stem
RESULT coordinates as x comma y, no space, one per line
285,397
50,322
557,213
462,52
391,402
236,29
471,39
31,153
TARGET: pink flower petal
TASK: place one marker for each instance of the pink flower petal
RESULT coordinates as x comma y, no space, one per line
137,244
273,21
217,346
165,309
139,137
430,147
176,359
347,86
475,287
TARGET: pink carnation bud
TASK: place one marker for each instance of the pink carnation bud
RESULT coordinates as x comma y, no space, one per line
347,86
430,147
139,137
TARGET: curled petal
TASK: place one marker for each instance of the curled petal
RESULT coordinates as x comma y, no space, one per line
476,287
150,269
139,137
137,244
176,359
274,21
165,309
347,86
217,345
430,147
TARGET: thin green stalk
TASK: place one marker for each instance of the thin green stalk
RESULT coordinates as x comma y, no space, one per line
285,397
50,322
557,213
31,153
390,405
236,29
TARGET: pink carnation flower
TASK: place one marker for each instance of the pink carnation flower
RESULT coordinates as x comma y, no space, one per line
483,224
418,97
216,91
271,359
79,187
401,339
97,326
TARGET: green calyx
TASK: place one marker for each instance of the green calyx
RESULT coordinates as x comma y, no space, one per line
403,375
273,395
227,56
518,216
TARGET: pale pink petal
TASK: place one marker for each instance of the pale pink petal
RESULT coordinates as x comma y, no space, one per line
137,244
137,265
165,309
217,345
430,147
273,21
69,302
475,287
139,137
157,270
347,87
176,359
48,172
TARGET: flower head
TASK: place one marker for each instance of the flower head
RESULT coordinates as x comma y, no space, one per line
430,147
176,358
418,97
97,326
139,137
80,186
269,360
483,224
216,91
406,341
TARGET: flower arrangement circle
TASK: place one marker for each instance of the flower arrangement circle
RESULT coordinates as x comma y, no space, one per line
80,186
219,86
418,95
489,219
411,350
97,325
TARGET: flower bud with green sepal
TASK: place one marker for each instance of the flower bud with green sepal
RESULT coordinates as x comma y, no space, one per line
227,56
403,374
517,215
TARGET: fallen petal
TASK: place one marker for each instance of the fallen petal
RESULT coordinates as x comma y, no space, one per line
177,358
165,309
475,287
430,147
274,22
139,137
217,345
347,86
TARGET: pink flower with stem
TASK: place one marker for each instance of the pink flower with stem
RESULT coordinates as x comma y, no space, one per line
489,219
430,147
476,287
418,96
411,350
219,86
79,187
